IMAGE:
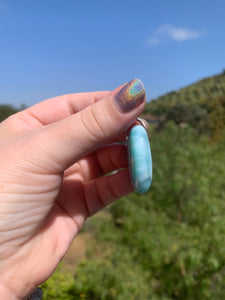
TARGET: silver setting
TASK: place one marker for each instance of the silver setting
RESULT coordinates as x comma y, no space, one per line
144,123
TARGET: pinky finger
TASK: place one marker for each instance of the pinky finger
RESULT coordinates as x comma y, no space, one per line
105,190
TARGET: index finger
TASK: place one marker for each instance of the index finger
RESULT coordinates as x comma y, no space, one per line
57,108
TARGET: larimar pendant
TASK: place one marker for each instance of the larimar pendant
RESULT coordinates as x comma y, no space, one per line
140,159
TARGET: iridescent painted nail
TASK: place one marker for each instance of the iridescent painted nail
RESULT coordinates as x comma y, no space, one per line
130,96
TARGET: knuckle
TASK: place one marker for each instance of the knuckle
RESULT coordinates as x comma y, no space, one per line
12,122
92,124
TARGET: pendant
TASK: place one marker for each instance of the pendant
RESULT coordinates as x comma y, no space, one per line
139,157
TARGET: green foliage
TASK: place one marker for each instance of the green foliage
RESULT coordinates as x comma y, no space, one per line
201,105
208,88
193,115
60,286
217,116
177,230
166,244
98,280
6,110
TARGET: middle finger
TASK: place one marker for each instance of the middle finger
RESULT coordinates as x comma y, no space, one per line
99,163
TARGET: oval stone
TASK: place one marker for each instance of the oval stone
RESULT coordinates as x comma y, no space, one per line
140,159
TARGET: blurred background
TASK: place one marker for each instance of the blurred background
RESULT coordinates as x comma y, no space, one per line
169,243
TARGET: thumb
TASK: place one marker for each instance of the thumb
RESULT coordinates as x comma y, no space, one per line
70,139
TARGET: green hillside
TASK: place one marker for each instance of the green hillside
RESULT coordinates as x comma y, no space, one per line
201,105
196,93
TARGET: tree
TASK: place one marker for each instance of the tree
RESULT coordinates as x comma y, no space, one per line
6,110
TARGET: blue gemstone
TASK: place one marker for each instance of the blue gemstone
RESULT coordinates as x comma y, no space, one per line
140,159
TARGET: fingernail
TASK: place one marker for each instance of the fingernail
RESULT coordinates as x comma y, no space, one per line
130,96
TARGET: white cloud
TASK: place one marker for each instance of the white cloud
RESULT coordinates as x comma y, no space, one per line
178,34
169,32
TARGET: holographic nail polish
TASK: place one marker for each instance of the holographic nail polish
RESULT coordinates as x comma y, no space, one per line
130,96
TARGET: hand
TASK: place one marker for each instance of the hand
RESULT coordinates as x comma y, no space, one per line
53,159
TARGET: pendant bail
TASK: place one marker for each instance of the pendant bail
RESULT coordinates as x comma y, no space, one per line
144,123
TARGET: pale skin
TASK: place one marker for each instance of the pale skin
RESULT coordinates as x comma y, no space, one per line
53,157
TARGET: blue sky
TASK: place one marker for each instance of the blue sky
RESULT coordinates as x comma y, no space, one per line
54,47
